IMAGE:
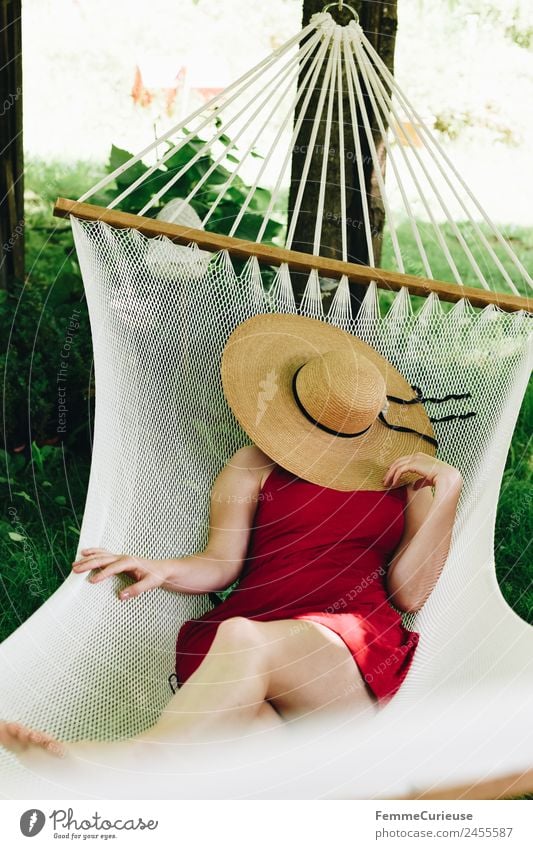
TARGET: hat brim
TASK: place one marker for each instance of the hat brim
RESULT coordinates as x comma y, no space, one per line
258,365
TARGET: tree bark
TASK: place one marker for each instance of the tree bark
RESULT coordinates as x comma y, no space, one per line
379,22
11,151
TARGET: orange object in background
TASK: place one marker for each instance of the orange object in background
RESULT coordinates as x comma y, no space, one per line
146,90
407,133
154,83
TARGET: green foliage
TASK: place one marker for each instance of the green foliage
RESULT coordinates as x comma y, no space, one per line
452,122
214,178
520,34
35,321
42,498
510,17
514,521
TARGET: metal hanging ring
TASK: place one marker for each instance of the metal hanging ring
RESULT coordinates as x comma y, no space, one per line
340,6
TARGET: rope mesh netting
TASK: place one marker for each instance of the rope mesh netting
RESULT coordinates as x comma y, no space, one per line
88,666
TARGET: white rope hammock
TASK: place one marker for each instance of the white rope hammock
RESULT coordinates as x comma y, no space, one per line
86,665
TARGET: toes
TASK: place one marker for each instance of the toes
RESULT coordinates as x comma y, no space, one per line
36,737
45,741
16,730
12,737
56,749
15,735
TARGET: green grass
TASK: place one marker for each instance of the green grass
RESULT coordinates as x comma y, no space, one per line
514,521
42,506
520,238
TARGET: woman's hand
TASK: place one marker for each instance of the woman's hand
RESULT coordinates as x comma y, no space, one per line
433,472
422,552
147,574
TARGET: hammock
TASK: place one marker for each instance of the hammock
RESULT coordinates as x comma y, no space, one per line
163,297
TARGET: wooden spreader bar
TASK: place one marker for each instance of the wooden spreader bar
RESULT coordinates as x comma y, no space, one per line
333,268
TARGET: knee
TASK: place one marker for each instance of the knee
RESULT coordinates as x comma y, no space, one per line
238,632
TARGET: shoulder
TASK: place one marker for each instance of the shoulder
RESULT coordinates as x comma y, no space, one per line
250,456
251,460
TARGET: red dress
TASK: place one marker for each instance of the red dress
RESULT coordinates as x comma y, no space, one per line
321,554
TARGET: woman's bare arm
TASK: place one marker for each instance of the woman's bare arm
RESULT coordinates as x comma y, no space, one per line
429,519
233,503
234,497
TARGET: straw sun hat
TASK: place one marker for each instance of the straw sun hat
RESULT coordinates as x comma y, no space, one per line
322,403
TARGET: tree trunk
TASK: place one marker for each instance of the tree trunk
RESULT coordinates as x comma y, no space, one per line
379,22
11,152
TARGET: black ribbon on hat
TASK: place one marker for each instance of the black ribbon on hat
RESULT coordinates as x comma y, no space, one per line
418,399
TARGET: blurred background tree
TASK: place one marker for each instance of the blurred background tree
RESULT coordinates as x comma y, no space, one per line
11,150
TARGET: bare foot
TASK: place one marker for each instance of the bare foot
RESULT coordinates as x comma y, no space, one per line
47,757
24,741
104,768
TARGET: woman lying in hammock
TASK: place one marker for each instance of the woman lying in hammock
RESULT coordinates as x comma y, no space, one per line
363,518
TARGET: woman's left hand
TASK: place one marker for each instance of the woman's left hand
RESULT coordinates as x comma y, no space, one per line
433,472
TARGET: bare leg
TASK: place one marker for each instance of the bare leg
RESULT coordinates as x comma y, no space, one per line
256,675
259,675
227,691
225,694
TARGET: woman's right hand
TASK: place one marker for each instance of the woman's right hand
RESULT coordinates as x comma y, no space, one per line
147,574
